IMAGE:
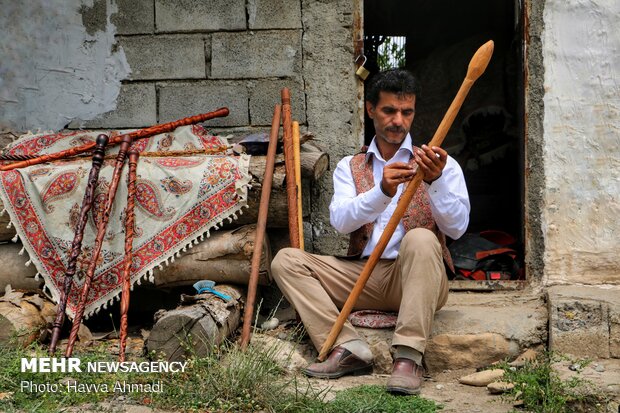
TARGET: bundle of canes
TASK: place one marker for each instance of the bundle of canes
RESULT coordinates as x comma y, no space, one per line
139,134
289,165
101,230
261,226
129,228
76,246
476,67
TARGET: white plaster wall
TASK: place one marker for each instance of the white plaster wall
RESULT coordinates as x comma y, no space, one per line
581,222
51,69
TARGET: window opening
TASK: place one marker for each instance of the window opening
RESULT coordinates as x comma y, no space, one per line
391,52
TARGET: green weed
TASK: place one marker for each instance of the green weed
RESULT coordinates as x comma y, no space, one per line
374,399
541,389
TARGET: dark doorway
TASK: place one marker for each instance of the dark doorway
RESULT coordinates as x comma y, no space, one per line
486,138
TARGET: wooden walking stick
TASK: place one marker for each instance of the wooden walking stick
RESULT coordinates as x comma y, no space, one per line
476,67
289,164
261,226
129,228
101,229
139,134
76,246
297,159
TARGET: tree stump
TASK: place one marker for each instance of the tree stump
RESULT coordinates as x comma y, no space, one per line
194,330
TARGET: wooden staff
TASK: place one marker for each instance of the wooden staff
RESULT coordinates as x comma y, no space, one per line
261,226
297,159
139,134
101,229
129,227
476,67
289,164
15,158
76,246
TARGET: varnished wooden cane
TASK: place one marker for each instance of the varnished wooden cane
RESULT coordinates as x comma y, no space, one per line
297,159
139,134
261,226
101,230
289,165
129,232
76,246
476,67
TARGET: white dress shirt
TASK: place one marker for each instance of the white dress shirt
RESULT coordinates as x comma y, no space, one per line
348,211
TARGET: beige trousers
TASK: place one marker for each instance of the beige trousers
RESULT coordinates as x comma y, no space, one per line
415,285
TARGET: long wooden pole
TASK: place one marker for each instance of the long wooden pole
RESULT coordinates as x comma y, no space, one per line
76,245
476,67
289,164
142,133
261,226
297,159
101,230
129,232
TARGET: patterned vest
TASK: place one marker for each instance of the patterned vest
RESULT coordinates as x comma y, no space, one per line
417,215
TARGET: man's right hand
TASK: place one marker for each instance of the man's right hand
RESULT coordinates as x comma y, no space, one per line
395,174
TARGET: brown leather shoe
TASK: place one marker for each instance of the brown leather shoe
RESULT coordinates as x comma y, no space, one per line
339,363
406,377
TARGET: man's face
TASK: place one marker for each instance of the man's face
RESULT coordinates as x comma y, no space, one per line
392,116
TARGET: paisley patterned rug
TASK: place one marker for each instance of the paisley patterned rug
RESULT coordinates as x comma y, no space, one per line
179,199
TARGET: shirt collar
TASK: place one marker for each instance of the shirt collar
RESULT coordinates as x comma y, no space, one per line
407,145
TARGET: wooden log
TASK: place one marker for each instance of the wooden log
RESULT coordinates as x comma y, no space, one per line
13,270
24,318
224,257
276,218
313,165
202,325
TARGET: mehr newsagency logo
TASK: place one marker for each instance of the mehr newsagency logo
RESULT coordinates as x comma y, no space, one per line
74,366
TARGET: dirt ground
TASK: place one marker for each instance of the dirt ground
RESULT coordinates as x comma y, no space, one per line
442,388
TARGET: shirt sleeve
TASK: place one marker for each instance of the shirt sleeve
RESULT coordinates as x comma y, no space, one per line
348,211
450,200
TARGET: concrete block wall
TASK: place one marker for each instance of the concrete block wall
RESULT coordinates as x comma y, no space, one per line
194,56
191,56
584,321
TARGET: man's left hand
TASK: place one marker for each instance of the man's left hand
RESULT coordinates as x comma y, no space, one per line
431,162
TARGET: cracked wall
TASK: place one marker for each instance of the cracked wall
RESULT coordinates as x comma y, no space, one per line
581,52
54,67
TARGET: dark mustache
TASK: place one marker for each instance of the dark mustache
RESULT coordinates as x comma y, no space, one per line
395,129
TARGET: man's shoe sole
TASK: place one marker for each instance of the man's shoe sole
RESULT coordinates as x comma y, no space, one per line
359,371
402,390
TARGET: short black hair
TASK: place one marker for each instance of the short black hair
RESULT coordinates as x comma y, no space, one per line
399,81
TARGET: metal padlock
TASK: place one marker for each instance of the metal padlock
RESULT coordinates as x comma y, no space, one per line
361,71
